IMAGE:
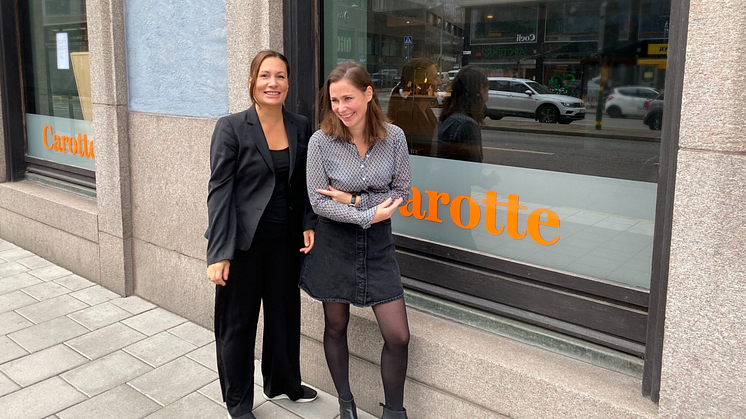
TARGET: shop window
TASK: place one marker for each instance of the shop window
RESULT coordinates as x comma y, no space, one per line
551,210
58,113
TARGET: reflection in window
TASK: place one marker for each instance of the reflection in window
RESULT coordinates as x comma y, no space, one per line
584,143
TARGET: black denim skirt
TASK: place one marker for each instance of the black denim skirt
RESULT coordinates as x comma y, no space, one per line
349,264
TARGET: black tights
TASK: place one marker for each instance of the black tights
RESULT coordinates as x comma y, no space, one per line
392,321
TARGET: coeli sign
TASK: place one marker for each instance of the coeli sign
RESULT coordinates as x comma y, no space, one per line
494,226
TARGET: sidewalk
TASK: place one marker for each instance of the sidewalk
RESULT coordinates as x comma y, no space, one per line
71,349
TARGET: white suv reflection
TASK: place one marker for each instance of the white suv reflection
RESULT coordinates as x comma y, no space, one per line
628,101
529,99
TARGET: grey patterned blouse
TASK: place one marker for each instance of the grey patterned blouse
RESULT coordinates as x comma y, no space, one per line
383,174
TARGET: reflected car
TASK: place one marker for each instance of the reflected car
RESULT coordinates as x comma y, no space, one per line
628,101
529,99
654,113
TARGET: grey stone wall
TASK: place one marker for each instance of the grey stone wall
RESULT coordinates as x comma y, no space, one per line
702,372
109,97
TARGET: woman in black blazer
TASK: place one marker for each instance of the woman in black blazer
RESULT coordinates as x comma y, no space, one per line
259,218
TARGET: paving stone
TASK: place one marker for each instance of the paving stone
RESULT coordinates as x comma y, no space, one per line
52,308
133,304
325,406
5,245
100,315
193,406
74,282
154,321
206,355
12,321
190,332
7,385
34,262
50,273
123,402
258,373
94,295
14,300
213,392
15,254
174,380
17,282
258,397
40,400
273,411
47,334
9,269
160,349
105,340
41,365
9,350
45,290
105,373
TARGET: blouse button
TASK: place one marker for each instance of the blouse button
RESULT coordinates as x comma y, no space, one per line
363,178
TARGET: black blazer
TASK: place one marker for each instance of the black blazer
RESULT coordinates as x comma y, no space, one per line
242,180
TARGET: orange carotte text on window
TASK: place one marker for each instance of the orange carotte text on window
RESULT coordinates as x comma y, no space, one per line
63,144
510,223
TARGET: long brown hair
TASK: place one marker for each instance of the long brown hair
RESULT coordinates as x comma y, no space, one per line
466,94
257,62
375,120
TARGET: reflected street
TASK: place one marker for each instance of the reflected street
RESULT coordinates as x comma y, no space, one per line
620,159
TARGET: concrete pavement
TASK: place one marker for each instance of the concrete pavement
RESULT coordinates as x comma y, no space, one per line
71,349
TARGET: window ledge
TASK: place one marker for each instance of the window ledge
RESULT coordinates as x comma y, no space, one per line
61,209
495,373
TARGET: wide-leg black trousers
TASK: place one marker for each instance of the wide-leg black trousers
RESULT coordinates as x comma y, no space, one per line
267,272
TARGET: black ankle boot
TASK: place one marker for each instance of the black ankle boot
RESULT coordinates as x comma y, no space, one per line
390,414
347,409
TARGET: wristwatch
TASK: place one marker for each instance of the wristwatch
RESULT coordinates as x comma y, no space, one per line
352,201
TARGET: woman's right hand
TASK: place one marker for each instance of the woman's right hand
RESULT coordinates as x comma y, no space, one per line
218,271
386,209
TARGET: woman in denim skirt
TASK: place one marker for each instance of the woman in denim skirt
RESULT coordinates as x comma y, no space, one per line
358,175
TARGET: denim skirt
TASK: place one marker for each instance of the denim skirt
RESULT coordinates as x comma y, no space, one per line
349,264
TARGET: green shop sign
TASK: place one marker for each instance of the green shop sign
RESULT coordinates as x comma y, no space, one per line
500,52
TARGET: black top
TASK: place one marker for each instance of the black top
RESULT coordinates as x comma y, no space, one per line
274,221
460,138
241,169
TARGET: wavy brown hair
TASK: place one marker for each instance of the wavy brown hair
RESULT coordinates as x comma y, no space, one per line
257,62
375,120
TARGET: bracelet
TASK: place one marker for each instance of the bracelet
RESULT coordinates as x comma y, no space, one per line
353,198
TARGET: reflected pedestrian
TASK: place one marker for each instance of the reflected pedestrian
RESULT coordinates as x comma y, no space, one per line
459,126
411,102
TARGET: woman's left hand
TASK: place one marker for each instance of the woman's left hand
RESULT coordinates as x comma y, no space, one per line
336,195
308,240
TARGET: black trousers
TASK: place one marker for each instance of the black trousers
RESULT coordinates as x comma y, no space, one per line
267,272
